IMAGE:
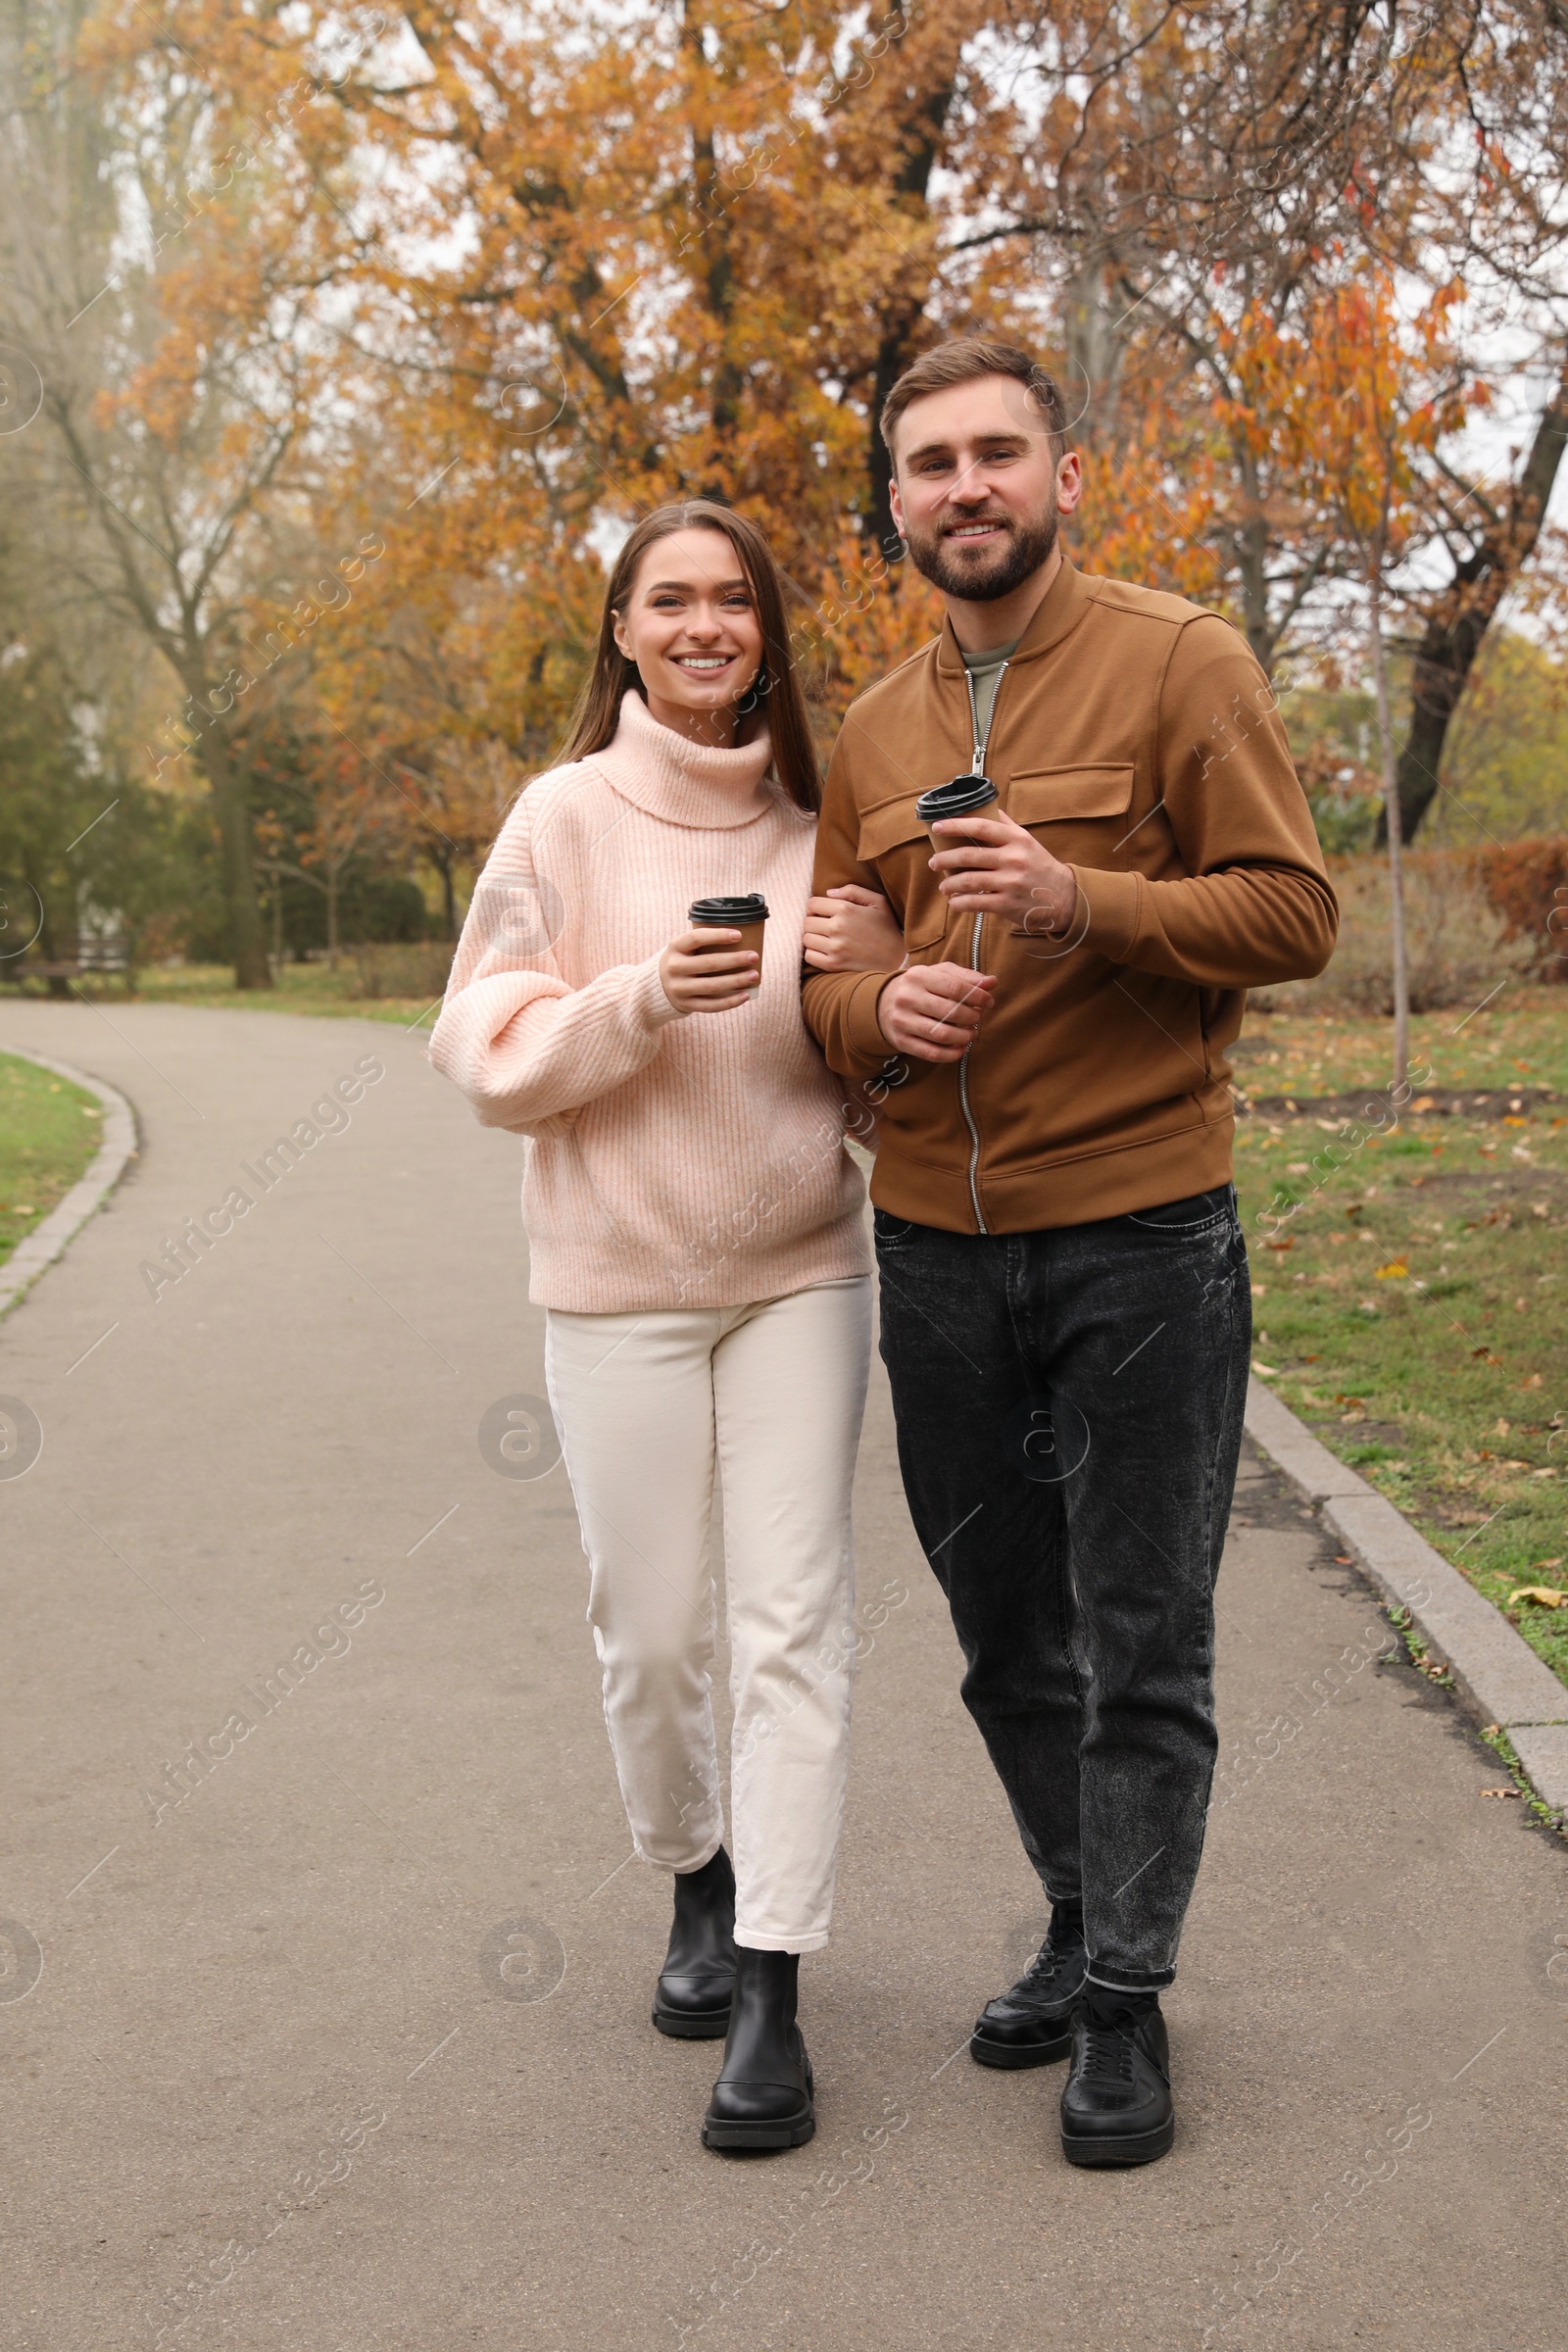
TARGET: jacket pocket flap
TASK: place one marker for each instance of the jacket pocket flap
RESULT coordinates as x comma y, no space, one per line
1039,796
883,828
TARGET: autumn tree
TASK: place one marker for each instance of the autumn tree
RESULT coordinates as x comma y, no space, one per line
182,380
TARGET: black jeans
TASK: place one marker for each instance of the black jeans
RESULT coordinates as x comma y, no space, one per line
1069,1414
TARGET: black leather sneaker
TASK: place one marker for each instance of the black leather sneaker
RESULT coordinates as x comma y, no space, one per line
1116,2105
1032,2024
692,1998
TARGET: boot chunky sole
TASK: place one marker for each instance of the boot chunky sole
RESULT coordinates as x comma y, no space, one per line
781,2131
766,2131
691,2025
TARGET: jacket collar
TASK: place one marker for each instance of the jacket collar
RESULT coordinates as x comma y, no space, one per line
1056,615
685,783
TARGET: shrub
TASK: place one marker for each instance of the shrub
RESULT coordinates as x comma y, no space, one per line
1527,883
1457,944
416,968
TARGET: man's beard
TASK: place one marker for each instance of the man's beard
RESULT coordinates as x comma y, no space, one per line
977,583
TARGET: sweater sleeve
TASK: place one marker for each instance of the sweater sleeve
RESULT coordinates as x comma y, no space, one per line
524,1047
840,1008
1255,904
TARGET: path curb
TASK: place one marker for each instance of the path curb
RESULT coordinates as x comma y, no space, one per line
1496,1675
87,1195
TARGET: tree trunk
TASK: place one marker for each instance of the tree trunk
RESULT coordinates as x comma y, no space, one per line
893,355
332,919
251,967
716,276
1457,625
449,897
1252,549
902,320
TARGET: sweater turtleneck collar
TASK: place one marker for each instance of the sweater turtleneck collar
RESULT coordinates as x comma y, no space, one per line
683,782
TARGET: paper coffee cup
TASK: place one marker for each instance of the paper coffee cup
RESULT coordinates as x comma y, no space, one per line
748,915
965,796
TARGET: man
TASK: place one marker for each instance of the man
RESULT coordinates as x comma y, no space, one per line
1065,1298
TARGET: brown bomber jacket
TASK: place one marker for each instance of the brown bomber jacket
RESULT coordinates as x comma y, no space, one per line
1136,734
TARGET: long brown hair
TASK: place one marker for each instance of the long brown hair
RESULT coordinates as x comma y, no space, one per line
598,711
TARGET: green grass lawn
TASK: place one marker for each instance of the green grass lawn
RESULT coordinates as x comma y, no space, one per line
49,1131
1405,1300
412,979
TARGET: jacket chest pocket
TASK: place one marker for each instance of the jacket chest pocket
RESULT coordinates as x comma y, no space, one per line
893,840
1081,813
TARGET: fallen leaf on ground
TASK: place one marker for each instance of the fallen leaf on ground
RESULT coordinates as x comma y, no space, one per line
1547,1595
1268,1371
1395,1271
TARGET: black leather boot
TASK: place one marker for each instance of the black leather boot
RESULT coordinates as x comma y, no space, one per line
762,2098
1032,2024
692,1998
1116,2106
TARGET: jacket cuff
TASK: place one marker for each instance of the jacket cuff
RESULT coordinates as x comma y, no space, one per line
860,1027
1108,909
650,1005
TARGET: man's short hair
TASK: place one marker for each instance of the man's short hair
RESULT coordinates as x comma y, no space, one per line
962,361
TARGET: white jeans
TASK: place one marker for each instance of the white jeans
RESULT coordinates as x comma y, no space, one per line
644,1404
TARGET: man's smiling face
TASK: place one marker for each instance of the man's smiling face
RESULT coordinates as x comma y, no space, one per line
978,488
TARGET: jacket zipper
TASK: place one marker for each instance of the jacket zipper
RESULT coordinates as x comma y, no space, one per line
977,768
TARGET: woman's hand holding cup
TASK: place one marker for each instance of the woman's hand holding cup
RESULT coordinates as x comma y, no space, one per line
718,964
707,971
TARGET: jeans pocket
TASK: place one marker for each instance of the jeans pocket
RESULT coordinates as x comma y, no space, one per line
891,1233
1199,1215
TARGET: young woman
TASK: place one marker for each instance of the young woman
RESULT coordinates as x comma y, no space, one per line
696,1233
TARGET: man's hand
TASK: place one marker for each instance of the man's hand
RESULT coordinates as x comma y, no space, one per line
933,1010
989,866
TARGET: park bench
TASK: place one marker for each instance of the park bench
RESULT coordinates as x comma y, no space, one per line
92,957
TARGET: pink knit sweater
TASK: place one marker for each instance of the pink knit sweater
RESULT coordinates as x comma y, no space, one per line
676,1160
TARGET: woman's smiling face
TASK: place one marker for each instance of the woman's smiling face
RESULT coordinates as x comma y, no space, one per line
690,624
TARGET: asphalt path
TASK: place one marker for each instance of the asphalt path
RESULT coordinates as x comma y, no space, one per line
325,1971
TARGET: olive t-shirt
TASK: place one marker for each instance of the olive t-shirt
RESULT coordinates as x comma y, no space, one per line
985,669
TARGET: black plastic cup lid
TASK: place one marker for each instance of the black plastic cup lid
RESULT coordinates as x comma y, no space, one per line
733,913
961,798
